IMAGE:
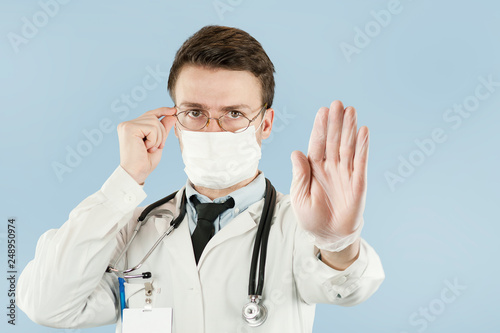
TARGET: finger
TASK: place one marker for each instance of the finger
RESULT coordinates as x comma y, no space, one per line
149,128
158,135
163,136
301,180
161,112
348,139
149,134
317,141
335,119
166,124
361,160
166,113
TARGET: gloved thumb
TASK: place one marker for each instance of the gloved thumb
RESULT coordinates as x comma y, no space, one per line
301,175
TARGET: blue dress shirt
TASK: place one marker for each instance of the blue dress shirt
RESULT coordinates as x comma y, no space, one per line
243,198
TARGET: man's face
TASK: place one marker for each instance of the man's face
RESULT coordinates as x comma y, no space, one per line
214,89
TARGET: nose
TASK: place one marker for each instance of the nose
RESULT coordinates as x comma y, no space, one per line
213,125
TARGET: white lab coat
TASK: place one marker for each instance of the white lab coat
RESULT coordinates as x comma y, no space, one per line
65,285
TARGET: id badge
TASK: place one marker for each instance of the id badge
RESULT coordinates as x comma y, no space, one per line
155,320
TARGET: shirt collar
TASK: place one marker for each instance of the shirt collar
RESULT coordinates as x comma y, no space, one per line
243,197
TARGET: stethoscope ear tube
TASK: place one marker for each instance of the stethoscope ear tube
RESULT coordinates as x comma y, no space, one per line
175,223
265,236
261,239
158,203
254,313
141,220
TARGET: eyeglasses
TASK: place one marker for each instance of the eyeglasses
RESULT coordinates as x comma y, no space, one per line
231,121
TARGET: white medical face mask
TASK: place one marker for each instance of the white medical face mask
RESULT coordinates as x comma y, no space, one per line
219,160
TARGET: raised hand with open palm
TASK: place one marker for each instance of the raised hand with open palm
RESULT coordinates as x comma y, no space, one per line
328,190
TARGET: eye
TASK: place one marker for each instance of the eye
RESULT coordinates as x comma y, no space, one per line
234,114
194,113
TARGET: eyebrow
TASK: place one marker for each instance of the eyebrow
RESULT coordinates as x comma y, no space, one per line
225,108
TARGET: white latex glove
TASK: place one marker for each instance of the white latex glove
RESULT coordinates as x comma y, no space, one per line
328,190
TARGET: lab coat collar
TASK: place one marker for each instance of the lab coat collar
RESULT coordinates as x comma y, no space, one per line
243,197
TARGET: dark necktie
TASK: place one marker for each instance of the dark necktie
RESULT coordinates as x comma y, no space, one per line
205,229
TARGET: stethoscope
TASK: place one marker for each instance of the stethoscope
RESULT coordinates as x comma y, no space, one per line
254,312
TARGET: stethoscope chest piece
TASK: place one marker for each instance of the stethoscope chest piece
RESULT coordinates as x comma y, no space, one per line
254,313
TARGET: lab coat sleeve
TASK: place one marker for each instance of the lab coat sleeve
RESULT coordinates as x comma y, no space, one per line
65,285
317,282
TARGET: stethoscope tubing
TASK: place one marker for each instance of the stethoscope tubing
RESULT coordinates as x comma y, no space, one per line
259,250
140,222
260,243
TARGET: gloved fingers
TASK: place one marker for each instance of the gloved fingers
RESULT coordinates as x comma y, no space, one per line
317,140
301,180
335,120
360,173
348,140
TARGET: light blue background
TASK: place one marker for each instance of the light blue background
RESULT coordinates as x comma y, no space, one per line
439,225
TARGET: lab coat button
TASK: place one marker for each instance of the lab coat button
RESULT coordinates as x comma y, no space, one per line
236,210
129,198
341,280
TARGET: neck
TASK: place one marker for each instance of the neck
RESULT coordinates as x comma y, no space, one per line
214,193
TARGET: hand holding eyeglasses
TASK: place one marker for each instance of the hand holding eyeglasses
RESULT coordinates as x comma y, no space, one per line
142,141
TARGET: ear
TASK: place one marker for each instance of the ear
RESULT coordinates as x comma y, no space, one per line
267,123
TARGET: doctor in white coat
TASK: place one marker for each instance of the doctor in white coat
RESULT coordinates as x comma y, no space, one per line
221,76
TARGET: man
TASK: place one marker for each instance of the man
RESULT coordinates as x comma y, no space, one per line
222,85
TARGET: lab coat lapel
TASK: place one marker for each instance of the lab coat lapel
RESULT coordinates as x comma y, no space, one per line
242,223
178,243
173,205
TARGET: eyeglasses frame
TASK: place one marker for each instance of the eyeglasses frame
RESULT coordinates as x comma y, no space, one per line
250,121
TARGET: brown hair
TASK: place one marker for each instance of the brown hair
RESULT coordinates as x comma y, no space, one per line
216,46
